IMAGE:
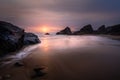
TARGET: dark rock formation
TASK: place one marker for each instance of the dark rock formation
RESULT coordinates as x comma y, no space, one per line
101,30
47,33
85,30
30,38
38,73
113,30
18,64
13,38
66,31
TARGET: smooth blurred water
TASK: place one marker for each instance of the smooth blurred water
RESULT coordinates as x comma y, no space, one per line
75,57
79,57
61,42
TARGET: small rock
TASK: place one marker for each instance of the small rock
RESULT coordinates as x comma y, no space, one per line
38,72
47,33
18,64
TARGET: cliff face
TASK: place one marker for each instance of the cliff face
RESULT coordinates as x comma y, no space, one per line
12,37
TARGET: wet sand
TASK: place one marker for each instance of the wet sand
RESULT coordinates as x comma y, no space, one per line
94,59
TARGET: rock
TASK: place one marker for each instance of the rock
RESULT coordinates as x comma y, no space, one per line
11,37
38,72
30,38
101,30
18,64
113,30
85,30
47,33
66,31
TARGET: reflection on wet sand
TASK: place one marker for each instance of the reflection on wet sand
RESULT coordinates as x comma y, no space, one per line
80,58
72,58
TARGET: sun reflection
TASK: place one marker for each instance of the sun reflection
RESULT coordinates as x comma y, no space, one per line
46,46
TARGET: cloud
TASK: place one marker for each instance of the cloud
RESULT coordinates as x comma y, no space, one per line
28,13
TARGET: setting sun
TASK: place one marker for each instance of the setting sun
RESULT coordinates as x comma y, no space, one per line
45,29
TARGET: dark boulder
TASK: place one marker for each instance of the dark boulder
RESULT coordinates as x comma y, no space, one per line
85,30
66,31
38,73
101,30
18,64
13,38
30,38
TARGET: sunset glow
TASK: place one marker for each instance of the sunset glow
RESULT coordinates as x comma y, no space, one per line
44,29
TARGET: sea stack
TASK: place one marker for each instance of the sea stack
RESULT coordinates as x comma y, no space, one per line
66,31
85,30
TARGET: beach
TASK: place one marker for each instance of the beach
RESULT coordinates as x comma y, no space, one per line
67,58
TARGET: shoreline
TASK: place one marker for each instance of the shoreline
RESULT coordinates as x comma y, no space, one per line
30,57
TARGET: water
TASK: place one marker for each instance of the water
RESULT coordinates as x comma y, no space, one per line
75,57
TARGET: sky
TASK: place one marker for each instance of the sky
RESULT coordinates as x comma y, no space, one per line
53,15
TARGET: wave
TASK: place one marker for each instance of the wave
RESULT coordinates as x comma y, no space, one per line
10,59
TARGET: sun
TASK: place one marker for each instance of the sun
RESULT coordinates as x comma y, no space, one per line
45,29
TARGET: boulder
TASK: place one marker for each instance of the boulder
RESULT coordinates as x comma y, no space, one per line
66,31
30,38
38,73
13,38
18,64
85,30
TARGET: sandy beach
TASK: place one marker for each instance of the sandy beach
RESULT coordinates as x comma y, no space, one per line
69,58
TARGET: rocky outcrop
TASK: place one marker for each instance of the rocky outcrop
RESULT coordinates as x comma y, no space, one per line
30,38
85,30
101,30
66,31
113,30
13,38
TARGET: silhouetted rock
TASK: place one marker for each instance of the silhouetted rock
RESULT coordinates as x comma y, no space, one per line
85,30
30,38
18,64
13,38
101,30
113,30
66,31
47,33
38,72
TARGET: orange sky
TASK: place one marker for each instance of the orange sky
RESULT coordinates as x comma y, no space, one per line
43,29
